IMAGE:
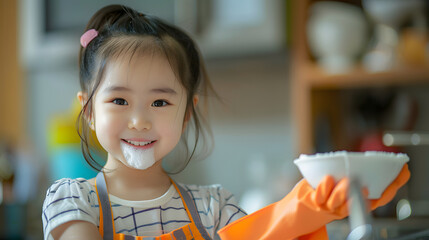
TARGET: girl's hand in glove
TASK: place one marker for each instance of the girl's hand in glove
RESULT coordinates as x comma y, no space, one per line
305,211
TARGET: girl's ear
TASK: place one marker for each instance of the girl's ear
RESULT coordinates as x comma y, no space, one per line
189,113
83,99
196,99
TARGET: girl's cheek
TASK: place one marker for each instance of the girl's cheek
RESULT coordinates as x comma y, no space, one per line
107,126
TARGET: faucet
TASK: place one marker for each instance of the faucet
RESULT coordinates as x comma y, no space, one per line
359,217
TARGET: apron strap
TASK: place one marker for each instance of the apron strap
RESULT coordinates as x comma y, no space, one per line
103,197
190,204
179,234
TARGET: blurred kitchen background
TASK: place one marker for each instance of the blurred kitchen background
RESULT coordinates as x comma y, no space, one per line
294,76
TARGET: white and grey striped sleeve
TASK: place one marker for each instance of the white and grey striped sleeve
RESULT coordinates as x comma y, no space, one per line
68,200
228,209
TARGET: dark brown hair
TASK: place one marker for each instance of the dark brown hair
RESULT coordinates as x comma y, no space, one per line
122,30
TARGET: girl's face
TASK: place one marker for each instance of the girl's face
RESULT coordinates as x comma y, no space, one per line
139,110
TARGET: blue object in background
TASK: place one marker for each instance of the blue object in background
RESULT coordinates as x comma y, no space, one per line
67,161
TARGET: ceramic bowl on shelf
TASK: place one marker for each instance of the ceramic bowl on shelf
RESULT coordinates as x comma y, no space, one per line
392,13
374,170
388,17
337,33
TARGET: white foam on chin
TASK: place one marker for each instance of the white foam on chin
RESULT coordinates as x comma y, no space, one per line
138,158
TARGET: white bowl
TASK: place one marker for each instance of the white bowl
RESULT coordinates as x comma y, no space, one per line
392,13
375,170
337,33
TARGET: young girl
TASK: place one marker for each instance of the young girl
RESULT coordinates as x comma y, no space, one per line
140,80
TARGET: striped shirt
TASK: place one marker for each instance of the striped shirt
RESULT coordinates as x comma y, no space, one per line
75,199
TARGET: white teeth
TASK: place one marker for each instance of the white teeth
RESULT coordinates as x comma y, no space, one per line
138,143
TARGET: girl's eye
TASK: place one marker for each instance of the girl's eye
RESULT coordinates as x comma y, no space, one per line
159,103
120,101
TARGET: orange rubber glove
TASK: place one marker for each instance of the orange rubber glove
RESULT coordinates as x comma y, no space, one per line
304,212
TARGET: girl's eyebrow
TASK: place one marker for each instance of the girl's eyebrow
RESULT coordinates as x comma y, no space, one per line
154,90
164,90
117,88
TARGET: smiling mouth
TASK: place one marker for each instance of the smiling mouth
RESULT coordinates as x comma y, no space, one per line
139,143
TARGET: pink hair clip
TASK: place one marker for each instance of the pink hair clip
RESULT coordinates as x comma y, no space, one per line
87,37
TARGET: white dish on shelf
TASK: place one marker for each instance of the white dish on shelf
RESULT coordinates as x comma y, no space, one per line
374,170
337,33
392,13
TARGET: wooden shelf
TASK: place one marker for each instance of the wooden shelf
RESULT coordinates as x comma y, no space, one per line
359,77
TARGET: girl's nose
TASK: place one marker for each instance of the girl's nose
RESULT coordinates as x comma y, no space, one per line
139,121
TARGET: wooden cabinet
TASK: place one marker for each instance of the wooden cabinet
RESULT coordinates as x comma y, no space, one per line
315,91
12,86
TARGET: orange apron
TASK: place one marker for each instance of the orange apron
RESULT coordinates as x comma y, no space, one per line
192,231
